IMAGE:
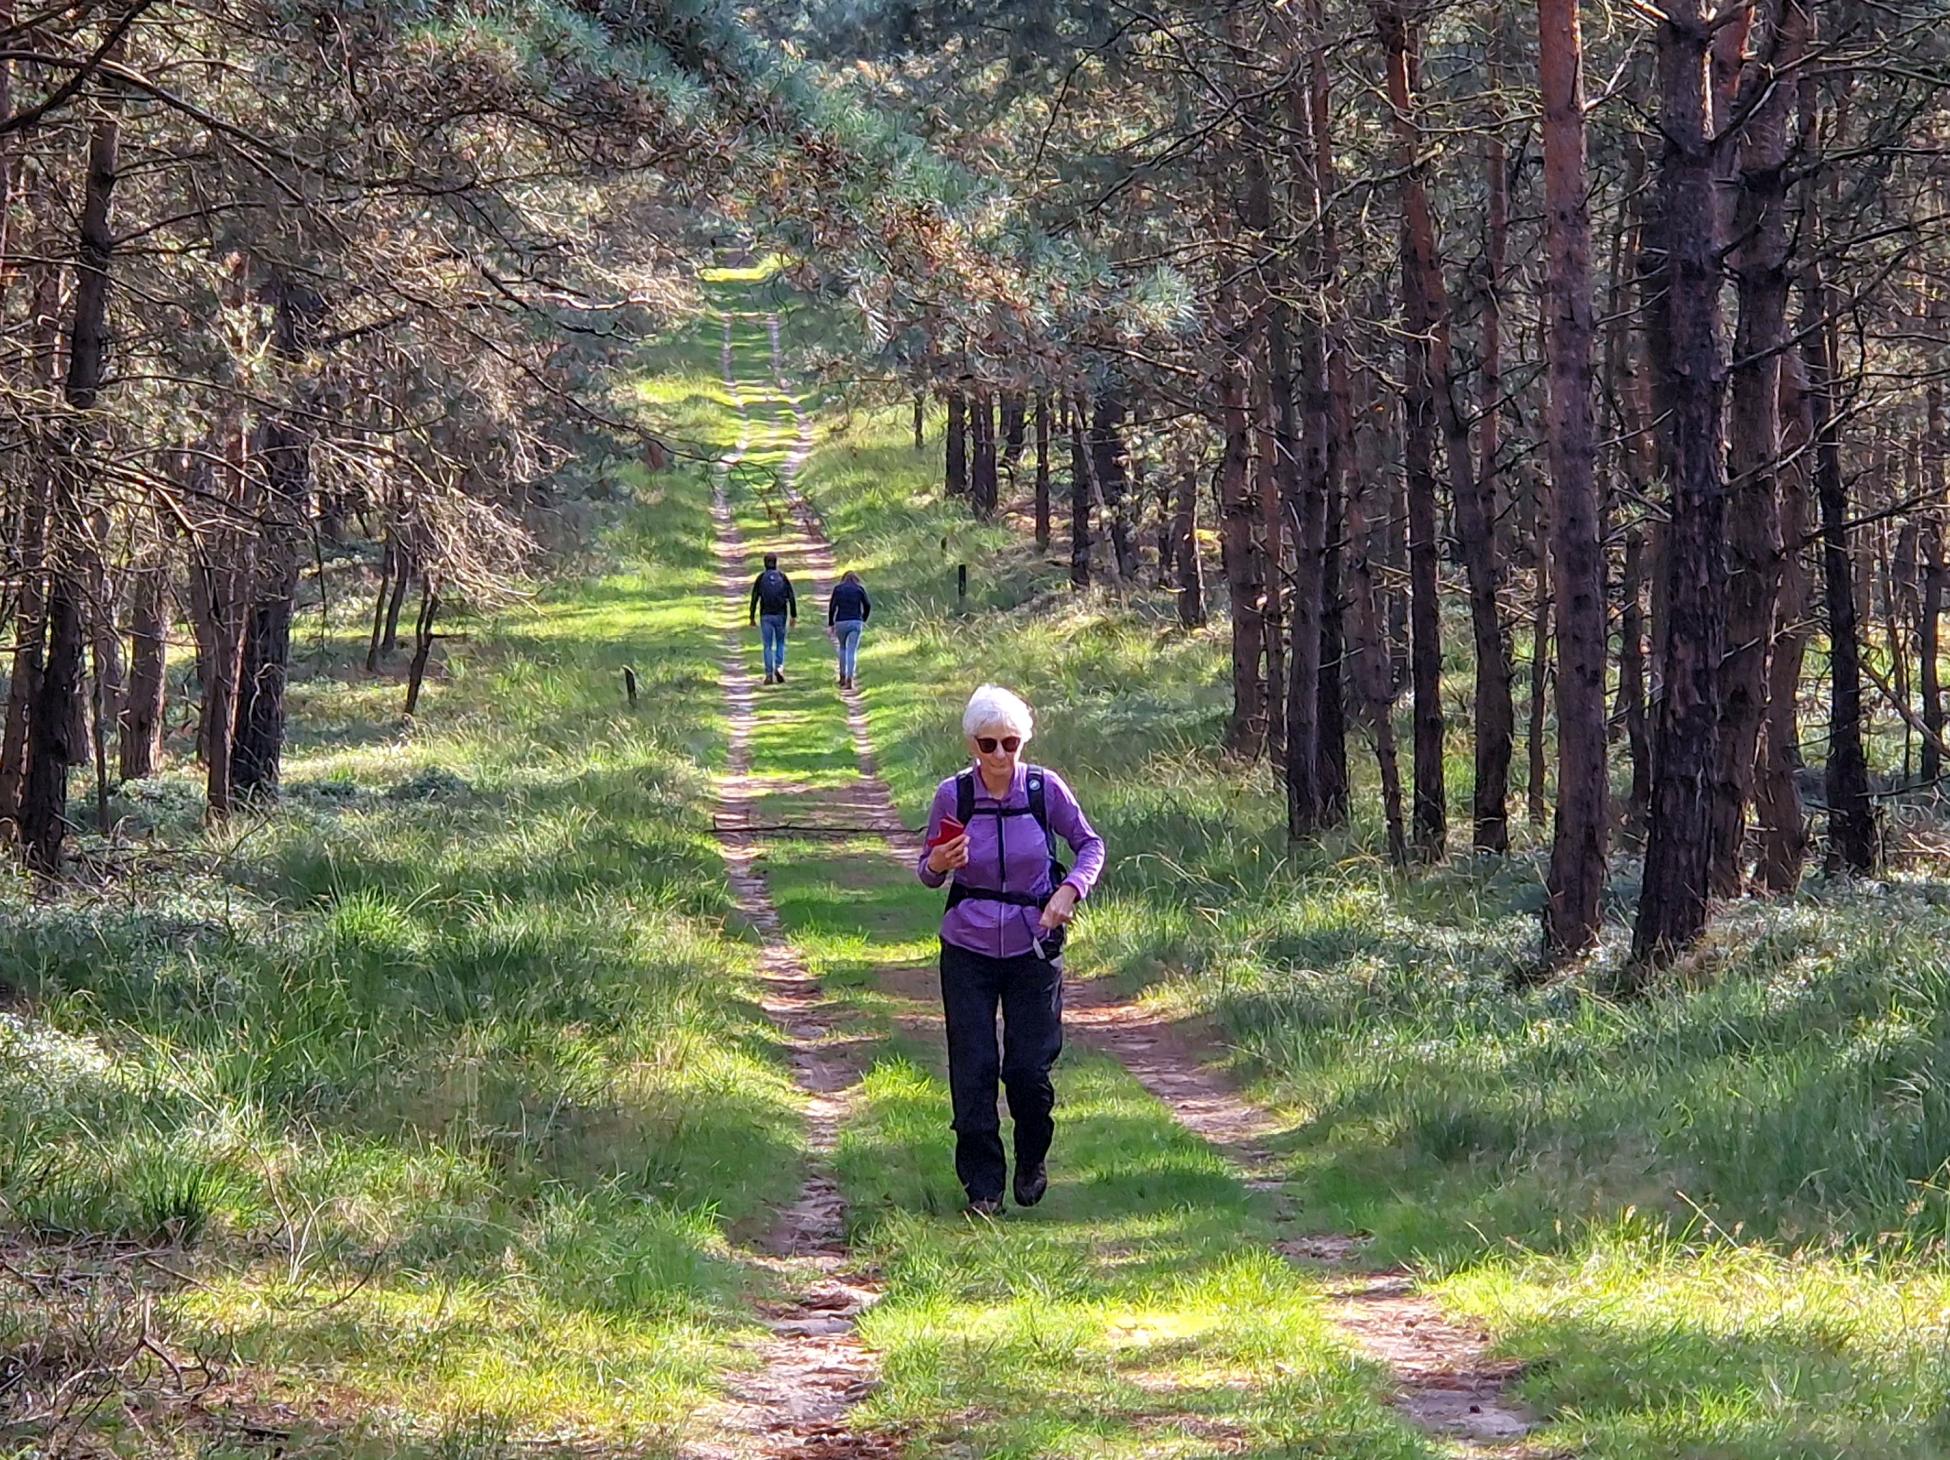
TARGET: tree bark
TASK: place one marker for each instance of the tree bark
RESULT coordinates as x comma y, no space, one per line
1042,472
1930,614
1691,392
403,568
1760,265
1782,823
1851,817
920,421
1107,464
1631,679
1269,538
1369,670
956,441
1576,559
380,596
1191,572
982,483
30,553
1536,759
1079,500
1014,426
142,721
1429,315
1431,815
50,745
423,637
1331,417
1246,730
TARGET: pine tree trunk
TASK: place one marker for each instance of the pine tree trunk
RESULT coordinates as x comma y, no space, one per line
1782,823
1014,427
1191,572
1079,500
1576,557
1042,472
1429,316
1431,800
109,688
142,721
955,440
1851,817
1107,464
1930,615
402,579
30,552
1760,265
1631,679
982,483
1369,670
920,421
1691,391
1332,418
50,744
1535,800
1269,538
1239,509
423,637
258,744
380,595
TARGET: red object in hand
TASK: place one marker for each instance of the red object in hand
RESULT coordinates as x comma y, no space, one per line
950,829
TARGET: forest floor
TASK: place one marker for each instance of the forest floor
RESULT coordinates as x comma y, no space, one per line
557,1076
1707,1223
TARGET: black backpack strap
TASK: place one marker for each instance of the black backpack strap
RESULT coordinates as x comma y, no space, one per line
1039,807
964,796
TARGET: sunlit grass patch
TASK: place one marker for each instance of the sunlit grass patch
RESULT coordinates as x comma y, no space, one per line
446,1087
1138,1309
1786,1082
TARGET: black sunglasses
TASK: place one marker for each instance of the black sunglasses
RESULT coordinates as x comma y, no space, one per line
987,743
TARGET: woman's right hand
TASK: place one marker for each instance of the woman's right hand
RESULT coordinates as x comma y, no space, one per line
949,855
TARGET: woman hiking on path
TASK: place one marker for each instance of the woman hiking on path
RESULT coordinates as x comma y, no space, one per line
993,827
847,611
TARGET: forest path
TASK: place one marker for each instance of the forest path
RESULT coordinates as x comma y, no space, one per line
1444,1382
813,1368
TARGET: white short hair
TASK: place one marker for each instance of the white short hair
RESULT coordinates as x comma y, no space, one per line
996,709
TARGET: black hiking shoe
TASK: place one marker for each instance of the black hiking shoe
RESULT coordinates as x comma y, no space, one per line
778,677
989,1207
1030,1186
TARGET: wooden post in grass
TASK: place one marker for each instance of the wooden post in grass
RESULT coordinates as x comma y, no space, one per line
961,585
629,684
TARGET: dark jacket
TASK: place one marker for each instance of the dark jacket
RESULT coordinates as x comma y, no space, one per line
772,595
849,601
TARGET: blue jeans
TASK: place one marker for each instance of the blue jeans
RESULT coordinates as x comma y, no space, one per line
847,634
771,628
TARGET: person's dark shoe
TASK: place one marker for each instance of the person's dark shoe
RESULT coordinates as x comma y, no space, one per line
983,1206
1030,1186
778,677
771,679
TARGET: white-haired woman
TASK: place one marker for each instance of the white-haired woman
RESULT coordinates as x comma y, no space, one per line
993,828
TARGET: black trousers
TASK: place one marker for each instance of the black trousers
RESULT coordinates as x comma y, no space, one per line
1029,993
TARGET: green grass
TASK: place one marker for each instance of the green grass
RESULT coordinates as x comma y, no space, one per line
1754,1156
1140,1310
441,1101
445,1087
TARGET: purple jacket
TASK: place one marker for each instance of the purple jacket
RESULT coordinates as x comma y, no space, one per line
1019,864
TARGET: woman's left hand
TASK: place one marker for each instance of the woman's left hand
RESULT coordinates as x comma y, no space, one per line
1061,907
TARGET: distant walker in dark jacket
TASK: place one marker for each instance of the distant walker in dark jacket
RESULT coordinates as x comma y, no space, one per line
847,612
774,605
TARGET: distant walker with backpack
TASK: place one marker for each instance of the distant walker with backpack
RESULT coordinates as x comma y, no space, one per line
774,607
